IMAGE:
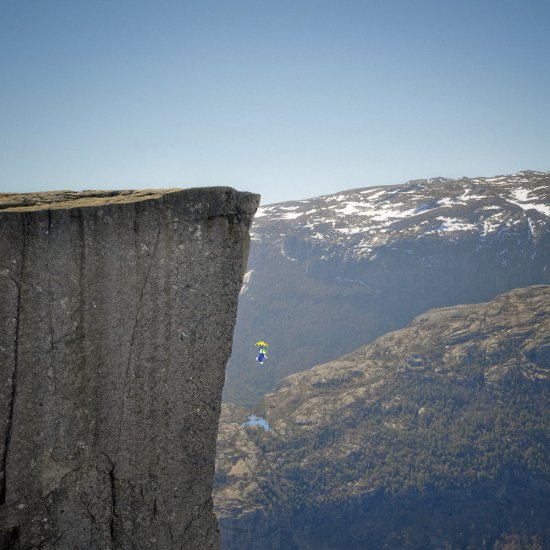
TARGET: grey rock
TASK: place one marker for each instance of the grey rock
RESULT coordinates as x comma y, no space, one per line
117,312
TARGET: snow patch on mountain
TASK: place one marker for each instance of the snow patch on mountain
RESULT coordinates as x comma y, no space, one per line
453,224
246,280
290,216
521,197
262,211
359,220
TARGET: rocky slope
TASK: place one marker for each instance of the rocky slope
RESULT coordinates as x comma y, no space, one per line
433,436
112,304
329,274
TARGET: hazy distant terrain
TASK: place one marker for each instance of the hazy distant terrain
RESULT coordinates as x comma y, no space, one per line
433,436
330,274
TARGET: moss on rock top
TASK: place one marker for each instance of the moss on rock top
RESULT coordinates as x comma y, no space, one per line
23,202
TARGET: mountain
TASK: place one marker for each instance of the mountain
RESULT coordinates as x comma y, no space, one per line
330,274
433,436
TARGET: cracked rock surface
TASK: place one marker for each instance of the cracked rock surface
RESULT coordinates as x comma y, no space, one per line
117,312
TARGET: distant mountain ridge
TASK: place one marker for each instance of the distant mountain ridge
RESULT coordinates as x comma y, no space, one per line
433,436
329,274
359,220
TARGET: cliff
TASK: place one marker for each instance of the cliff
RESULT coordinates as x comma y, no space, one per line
116,322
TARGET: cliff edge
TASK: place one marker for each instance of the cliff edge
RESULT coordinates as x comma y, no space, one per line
117,312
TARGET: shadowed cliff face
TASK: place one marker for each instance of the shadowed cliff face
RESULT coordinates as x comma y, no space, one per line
116,319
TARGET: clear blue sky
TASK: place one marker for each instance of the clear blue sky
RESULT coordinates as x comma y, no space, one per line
290,99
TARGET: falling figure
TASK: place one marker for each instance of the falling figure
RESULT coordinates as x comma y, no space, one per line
262,351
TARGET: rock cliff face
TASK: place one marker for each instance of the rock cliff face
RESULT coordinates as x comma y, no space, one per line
116,321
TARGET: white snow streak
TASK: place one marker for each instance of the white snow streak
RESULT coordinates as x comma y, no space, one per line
289,216
453,224
523,195
246,280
